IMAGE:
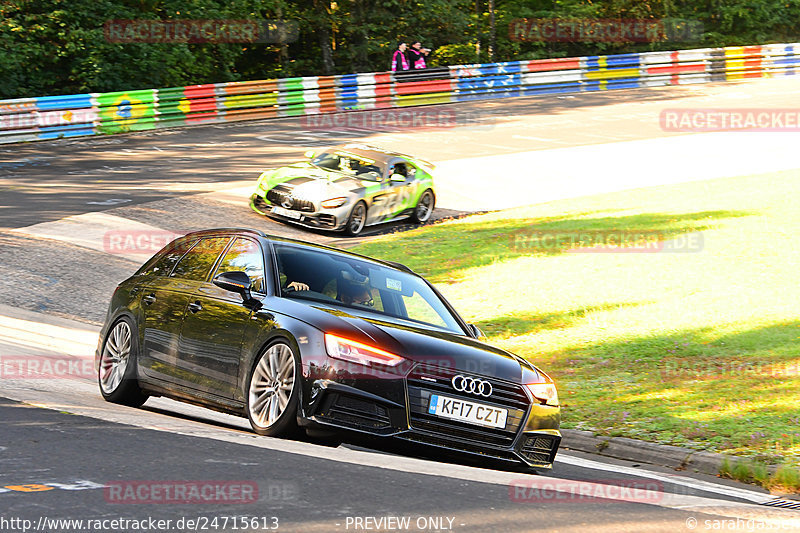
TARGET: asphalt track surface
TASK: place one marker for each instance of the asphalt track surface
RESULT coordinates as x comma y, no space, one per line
60,444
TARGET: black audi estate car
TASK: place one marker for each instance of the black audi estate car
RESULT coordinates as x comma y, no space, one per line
298,336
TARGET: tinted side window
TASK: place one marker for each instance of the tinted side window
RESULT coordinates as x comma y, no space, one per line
245,255
197,262
163,266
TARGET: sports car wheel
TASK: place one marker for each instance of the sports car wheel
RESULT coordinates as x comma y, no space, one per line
424,209
357,219
273,393
117,375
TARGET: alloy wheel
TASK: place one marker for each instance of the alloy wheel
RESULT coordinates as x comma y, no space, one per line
424,207
357,219
116,354
271,385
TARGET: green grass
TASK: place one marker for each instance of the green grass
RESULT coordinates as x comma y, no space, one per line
785,479
696,349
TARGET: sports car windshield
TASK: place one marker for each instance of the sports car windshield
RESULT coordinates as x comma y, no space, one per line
362,168
361,285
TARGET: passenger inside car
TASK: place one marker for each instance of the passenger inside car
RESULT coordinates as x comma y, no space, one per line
350,293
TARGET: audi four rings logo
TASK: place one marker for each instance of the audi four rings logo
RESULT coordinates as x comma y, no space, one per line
472,385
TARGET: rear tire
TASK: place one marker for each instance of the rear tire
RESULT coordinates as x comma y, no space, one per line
117,376
273,392
357,219
424,208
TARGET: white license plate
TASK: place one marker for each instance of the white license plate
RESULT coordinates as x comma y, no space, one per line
286,213
466,411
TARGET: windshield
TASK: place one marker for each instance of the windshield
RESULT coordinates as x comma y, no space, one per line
360,167
360,285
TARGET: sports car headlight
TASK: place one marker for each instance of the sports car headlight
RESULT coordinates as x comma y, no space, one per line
356,352
333,203
544,392
264,178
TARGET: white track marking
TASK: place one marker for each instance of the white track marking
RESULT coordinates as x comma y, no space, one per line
103,232
524,178
706,486
19,328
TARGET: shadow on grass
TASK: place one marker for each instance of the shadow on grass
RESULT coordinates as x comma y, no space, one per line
440,252
735,392
525,323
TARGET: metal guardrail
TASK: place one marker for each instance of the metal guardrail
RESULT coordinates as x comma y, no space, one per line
50,117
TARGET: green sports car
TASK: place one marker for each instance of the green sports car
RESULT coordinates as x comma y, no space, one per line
347,188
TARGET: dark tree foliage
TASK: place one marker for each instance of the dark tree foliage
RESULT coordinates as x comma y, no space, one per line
60,47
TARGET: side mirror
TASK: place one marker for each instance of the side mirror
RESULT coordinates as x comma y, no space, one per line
397,178
476,332
236,281
310,154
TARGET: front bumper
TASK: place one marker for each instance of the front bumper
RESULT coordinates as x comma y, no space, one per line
396,406
333,219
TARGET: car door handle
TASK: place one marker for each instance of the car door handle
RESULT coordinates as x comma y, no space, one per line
195,307
149,299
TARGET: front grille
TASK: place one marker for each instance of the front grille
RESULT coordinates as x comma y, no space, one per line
539,449
260,204
355,412
460,434
504,393
278,194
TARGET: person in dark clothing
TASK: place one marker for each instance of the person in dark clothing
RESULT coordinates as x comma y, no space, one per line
399,58
416,56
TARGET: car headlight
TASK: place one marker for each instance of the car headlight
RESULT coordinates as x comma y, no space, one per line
356,352
263,179
544,392
333,203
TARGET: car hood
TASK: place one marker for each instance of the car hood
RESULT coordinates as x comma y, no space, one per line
308,181
427,346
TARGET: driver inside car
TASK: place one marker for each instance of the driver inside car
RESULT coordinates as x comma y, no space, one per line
399,168
293,285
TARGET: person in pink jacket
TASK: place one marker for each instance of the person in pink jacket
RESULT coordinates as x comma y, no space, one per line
416,56
399,59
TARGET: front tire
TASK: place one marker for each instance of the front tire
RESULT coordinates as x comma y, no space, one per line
117,376
273,392
357,219
424,208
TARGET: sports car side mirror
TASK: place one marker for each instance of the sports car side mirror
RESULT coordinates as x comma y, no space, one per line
475,332
236,281
310,154
397,178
